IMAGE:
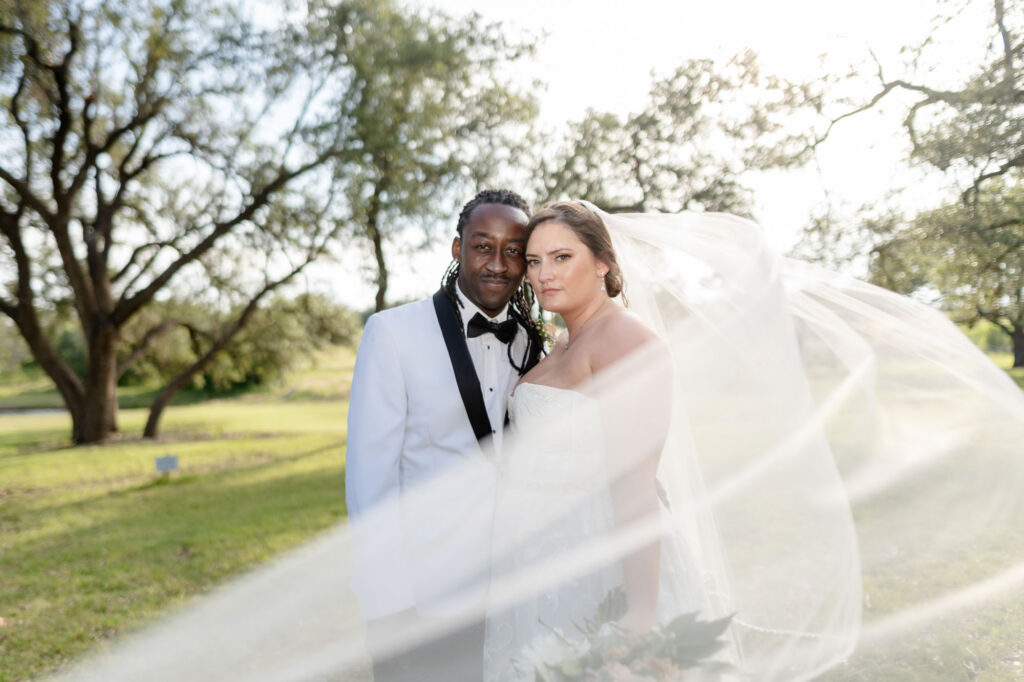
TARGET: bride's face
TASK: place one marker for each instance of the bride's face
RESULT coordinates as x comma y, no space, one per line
562,270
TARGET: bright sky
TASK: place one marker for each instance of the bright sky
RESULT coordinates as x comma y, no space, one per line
600,54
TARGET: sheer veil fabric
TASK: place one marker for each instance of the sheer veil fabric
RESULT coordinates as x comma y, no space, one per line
843,465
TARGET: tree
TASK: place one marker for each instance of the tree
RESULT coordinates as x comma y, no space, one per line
969,250
171,148
122,171
972,254
975,130
704,126
424,105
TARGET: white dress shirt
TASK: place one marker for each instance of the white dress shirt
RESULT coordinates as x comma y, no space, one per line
490,359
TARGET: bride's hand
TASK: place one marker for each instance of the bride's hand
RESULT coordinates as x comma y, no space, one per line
636,621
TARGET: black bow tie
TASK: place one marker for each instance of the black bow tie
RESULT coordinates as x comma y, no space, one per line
503,331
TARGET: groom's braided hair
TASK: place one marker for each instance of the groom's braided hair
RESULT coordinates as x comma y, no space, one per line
522,300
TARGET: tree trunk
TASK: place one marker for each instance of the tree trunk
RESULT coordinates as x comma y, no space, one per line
156,409
98,419
382,271
374,233
1018,347
165,397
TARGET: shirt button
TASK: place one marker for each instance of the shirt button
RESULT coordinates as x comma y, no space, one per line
493,431
491,390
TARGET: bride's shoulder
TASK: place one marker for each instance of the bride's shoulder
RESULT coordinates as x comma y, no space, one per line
620,334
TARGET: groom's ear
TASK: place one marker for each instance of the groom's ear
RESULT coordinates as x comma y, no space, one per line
456,248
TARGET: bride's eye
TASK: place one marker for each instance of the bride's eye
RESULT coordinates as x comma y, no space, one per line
532,261
562,257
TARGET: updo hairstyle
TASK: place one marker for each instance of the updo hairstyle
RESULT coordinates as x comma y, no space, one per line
590,229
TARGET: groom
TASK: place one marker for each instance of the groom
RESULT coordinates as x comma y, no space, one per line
429,391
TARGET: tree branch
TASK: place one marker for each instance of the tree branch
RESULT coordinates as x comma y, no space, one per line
994,318
175,384
127,307
22,124
1007,42
26,195
60,77
25,317
138,251
144,344
889,87
975,188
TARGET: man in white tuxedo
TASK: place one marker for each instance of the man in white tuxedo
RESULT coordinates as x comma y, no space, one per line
428,395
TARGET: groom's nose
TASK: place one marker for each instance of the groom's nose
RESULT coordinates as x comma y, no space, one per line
497,262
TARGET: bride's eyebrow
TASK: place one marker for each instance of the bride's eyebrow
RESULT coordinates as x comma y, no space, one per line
553,251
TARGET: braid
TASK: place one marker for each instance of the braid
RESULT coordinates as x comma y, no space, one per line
519,308
451,275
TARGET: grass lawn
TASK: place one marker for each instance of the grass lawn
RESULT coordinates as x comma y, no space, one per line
94,542
1005,360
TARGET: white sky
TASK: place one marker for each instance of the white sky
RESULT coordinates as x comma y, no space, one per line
600,54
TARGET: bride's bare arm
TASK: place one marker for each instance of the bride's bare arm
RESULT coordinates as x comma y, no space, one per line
632,370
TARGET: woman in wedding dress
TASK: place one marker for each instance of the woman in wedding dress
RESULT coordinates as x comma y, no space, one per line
561,489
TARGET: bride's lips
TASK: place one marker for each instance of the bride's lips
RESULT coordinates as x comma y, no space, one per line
549,291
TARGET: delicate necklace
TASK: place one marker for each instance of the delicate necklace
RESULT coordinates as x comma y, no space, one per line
579,332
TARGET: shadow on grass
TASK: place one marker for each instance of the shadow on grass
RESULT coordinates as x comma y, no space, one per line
130,397
41,440
124,558
205,475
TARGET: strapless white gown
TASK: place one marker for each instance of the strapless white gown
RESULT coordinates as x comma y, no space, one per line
554,508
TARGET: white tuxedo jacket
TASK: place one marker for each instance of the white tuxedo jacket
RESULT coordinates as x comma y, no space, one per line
420,538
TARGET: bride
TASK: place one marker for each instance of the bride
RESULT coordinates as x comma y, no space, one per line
582,470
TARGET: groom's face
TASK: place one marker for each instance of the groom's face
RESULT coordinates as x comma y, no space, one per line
490,254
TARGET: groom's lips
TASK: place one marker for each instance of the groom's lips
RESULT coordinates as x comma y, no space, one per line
496,282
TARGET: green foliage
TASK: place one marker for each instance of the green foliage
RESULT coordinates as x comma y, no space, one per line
988,337
607,652
970,256
208,151
704,125
967,253
281,336
424,112
14,354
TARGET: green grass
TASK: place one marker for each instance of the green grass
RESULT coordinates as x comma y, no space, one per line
1005,360
94,542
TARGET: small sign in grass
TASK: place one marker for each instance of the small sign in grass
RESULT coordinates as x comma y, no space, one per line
167,464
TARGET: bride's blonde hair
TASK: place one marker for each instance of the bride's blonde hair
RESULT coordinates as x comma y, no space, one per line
591,230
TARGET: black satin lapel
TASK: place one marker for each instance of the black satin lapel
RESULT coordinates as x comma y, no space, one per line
462,364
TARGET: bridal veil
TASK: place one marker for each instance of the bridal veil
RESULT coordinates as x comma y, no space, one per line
844,465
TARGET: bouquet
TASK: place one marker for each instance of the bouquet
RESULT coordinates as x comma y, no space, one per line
605,652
